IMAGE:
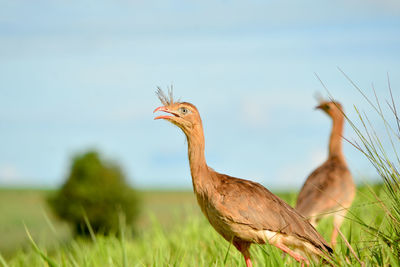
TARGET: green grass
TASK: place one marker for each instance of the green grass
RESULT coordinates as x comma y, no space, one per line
172,232
19,207
26,206
385,158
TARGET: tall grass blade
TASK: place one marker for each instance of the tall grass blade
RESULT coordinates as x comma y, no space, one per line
227,252
3,261
122,227
49,261
89,226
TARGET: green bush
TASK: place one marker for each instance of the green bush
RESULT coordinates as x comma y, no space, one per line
94,196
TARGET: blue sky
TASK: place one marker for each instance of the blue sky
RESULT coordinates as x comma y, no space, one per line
76,75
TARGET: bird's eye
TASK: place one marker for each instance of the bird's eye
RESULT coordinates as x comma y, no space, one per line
327,107
184,110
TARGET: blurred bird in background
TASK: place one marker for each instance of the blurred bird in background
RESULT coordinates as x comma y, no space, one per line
329,190
242,211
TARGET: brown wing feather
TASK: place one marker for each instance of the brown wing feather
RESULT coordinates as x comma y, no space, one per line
327,188
249,203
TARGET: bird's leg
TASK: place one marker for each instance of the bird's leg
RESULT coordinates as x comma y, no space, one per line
334,236
243,247
337,222
296,256
248,260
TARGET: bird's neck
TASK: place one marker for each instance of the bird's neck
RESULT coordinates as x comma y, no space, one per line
198,166
335,141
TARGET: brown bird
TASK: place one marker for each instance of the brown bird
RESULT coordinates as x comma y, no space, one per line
329,190
242,211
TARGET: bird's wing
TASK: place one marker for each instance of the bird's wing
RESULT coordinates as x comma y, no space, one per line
249,203
325,189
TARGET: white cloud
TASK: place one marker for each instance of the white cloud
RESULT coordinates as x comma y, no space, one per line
258,109
9,173
318,157
295,174
254,112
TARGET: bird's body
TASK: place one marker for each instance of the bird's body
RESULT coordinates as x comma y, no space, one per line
329,190
242,211
245,212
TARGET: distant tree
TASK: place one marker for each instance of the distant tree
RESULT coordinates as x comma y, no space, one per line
95,193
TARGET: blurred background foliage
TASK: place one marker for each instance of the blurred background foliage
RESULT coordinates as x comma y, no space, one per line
95,195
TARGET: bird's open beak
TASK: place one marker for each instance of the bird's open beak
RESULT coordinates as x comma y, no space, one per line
165,109
318,107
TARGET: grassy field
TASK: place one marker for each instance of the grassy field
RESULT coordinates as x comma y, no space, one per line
27,207
171,232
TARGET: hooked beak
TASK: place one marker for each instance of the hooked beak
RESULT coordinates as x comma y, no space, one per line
165,109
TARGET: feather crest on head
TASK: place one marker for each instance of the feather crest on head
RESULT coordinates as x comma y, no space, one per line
318,96
165,100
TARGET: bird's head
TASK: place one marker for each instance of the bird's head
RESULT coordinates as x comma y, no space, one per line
332,108
182,114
